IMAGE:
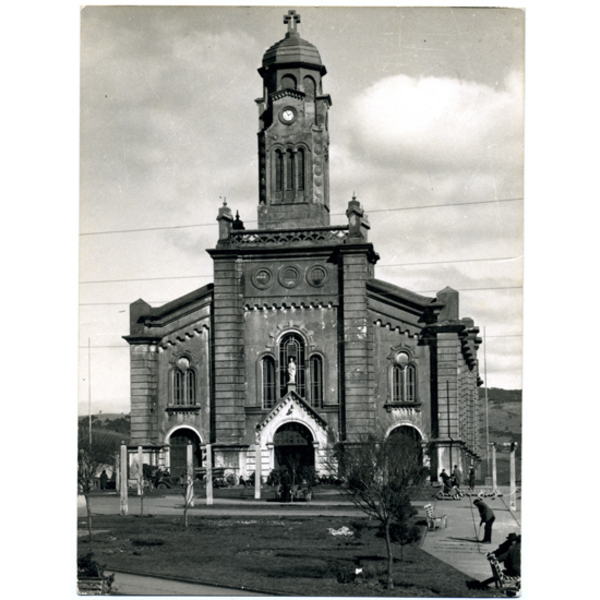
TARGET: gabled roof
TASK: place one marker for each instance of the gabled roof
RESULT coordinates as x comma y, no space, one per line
292,398
141,313
397,294
160,311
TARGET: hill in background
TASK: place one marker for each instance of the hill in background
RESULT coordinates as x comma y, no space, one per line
505,426
504,415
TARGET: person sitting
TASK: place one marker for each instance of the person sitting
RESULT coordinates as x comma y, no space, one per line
509,554
446,481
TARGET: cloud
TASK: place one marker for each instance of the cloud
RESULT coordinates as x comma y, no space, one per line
437,120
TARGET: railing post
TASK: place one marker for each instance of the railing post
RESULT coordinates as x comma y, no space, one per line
258,469
123,480
209,479
513,478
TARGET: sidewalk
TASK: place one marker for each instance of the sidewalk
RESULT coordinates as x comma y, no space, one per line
109,504
457,545
126,584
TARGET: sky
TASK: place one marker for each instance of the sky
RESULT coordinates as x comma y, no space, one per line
426,129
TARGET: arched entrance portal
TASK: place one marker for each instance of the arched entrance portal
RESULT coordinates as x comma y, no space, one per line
178,443
409,441
294,447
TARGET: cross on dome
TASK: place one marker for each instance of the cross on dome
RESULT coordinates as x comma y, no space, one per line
290,20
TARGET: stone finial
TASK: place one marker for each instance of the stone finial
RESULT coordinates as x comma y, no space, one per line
449,298
238,224
357,221
225,220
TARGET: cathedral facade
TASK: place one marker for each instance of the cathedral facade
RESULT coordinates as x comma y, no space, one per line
296,343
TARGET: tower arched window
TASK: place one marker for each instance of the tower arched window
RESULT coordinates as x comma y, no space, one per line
289,170
278,171
292,350
316,381
183,384
300,165
288,82
309,87
268,383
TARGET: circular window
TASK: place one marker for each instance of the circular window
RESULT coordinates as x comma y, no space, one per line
289,276
317,275
402,359
262,278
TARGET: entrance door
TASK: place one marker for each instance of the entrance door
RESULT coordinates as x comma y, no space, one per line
294,448
178,444
409,439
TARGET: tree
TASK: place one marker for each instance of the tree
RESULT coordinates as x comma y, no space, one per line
91,458
379,473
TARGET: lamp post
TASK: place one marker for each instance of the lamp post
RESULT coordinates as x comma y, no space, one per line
90,392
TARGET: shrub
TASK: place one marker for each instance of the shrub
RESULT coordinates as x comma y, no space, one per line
309,475
87,566
274,477
231,479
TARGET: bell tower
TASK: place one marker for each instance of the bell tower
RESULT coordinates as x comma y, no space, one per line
293,137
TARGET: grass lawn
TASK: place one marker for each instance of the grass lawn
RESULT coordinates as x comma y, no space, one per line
279,555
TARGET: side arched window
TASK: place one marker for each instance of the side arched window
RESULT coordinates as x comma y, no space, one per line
183,384
404,383
177,387
268,383
316,381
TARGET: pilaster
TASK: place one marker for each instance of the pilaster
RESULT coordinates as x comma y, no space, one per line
144,391
228,350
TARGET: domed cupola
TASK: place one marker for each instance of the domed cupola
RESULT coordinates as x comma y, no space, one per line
291,51
293,135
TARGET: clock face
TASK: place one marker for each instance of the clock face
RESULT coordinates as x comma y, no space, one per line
288,115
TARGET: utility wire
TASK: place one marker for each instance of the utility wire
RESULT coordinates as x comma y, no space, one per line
160,302
380,210
123,347
443,262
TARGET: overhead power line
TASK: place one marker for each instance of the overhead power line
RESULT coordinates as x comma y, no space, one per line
446,262
126,347
159,302
376,210
442,262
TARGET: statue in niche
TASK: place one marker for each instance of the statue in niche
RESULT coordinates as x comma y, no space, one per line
291,370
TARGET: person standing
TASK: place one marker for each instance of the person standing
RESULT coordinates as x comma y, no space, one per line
286,483
103,479
456,476
446,479
487,519
472,479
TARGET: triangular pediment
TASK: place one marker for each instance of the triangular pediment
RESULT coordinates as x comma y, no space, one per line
293,406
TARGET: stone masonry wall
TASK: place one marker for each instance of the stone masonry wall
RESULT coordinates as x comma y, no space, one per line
144,382
228,352
357,346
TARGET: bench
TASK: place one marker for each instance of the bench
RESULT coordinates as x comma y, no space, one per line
511,586
433,521
91,586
